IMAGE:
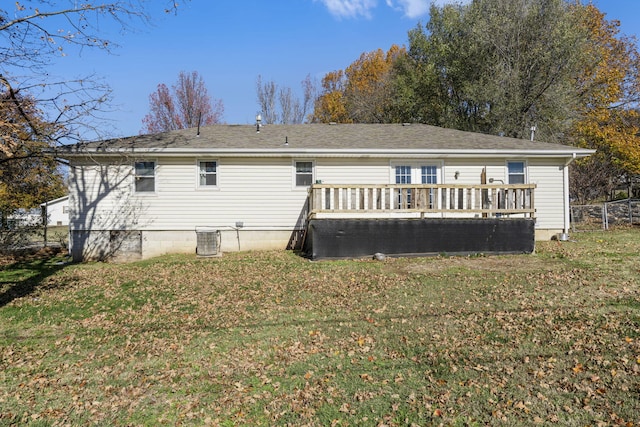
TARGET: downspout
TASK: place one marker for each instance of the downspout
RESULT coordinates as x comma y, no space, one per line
565,178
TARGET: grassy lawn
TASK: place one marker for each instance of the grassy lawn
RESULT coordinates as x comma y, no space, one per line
269,338
55,234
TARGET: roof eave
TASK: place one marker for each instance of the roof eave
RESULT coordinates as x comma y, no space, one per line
326,152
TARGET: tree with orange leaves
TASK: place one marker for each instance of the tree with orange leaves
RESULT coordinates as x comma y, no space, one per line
609,116
368,91
330,106
362,93
29,175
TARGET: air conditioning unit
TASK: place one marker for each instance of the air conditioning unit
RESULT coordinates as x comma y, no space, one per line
207,242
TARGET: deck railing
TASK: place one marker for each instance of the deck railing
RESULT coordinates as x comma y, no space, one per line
455,200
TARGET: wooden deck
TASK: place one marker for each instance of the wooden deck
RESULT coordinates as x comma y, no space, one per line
421,201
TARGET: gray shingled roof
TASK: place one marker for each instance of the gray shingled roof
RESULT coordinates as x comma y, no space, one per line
321,139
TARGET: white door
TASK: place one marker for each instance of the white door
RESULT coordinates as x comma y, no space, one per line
417,173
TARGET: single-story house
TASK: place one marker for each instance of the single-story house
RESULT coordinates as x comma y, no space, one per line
57,211
331,189
24,218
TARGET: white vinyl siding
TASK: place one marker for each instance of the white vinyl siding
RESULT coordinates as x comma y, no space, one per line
549,193
258,191
101,196
350,171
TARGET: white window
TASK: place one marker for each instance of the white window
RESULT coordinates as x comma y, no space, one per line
208,173
403,174
516,173
304,173
145,176
429,174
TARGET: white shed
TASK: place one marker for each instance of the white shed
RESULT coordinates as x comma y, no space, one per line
57,211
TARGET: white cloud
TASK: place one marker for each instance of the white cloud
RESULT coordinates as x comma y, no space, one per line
418,8
350,8
363,8
411,8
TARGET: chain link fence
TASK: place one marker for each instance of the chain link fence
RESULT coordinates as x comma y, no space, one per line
604,215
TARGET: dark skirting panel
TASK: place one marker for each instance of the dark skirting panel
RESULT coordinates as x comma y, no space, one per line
354,238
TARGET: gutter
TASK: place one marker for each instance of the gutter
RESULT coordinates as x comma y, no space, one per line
573,157
323,152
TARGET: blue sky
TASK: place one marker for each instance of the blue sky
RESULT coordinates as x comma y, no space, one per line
230,43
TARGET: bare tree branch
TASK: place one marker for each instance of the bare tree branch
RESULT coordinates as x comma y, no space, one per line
289,109
267,100
187,105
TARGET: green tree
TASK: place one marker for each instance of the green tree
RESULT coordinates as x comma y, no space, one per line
415,97
494,66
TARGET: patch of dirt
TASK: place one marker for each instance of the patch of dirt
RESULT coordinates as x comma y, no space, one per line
498,263
30,254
